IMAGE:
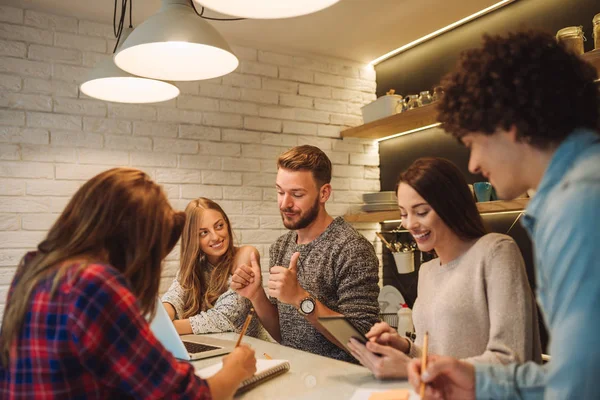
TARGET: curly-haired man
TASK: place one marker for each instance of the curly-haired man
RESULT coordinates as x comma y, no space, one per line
529,111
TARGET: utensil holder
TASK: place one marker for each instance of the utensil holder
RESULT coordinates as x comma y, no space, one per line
405,261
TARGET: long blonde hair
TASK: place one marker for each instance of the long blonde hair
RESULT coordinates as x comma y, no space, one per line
120,213
200,292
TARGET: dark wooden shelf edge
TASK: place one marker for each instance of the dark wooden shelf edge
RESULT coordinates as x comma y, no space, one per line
484,208
397,123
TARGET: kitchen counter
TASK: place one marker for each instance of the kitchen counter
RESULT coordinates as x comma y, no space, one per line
310,376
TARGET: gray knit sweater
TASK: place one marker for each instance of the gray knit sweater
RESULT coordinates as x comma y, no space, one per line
478,307
340,269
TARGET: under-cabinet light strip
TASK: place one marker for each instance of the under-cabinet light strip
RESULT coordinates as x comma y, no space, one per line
408,132
440,31
389,221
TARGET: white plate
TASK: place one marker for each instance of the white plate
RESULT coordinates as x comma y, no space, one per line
390,299
380,197
380,207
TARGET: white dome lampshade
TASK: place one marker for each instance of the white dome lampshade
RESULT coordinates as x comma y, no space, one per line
175,44
107,82
266,9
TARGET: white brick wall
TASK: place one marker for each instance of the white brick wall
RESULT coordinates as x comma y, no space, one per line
219,139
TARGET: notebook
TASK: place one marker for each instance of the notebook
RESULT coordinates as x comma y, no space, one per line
193,347
265,370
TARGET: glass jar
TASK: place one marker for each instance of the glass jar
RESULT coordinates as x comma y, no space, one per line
412,101
572,38
425,98
438,91
401,106
596,23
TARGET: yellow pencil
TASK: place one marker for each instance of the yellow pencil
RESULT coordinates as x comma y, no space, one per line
424,362
268,357
245,327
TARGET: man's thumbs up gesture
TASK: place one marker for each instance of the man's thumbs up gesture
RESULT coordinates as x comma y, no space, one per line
283,283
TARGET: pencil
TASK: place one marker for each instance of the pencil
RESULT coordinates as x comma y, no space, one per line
424,362
245,327
268,357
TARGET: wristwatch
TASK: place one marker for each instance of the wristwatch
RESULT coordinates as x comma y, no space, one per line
307,305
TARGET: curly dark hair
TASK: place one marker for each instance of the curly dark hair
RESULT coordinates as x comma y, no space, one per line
524,79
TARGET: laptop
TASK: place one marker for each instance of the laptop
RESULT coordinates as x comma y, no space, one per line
192,347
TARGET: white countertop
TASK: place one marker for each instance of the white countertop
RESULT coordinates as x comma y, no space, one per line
310,376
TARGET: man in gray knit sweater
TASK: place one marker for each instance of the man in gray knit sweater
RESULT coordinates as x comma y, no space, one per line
322,267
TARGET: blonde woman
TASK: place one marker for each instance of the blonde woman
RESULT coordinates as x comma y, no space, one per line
199,300
73,325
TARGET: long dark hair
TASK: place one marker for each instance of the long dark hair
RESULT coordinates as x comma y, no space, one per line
443,186
121,213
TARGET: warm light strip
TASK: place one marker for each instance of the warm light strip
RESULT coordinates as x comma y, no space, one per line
501,212
440,31
389,221
411,131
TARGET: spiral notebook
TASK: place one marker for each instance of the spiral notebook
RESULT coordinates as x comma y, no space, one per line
265,370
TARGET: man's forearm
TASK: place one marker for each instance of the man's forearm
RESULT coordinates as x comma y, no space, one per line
321,310
267,314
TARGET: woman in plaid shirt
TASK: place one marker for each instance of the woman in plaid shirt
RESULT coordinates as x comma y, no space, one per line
73,325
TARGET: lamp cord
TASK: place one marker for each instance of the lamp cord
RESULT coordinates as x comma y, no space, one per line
118,27
201,15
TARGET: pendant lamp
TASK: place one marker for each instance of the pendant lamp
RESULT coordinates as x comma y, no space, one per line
266,9
107,82
176,44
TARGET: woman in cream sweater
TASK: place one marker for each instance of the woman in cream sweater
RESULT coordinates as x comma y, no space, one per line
474,299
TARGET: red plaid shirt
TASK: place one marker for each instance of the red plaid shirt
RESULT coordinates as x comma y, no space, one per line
89,341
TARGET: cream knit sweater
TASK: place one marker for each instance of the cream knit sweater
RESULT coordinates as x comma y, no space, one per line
478,307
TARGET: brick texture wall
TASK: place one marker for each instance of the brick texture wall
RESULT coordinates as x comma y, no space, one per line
218,139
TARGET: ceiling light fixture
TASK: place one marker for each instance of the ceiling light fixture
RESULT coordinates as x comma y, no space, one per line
110,83
266,9
440,31
176,44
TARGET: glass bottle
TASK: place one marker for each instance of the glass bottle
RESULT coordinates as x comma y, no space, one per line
572,38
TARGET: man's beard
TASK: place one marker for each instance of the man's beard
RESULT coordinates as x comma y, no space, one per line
305,220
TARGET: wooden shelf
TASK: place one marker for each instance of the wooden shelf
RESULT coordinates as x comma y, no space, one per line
397,123
484,208
421,116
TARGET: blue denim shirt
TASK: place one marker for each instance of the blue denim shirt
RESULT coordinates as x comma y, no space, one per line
563,220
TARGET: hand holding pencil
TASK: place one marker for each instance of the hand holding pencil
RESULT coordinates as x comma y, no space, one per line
441,377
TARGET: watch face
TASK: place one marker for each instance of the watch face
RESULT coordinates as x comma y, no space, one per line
307,306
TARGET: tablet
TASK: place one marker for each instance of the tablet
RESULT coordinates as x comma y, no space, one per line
342,329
